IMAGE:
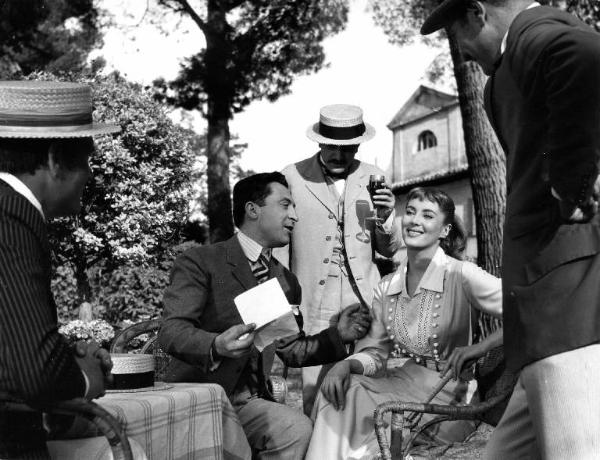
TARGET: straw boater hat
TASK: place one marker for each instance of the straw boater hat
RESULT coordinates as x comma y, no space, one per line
44,109
340,124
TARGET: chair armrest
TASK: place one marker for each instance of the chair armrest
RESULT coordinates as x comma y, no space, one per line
106,423
119,343
393,450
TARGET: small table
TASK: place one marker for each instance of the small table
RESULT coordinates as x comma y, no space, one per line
187,420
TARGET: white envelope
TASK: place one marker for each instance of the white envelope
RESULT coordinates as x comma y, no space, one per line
263,303
267,306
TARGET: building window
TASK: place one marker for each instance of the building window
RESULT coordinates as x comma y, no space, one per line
426,140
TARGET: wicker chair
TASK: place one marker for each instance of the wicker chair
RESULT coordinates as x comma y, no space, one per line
105,423
122,340
495,385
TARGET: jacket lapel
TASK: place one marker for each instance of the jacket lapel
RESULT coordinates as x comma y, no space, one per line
317,185
355,183
240,268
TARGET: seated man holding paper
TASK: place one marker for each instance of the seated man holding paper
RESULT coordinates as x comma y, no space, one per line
213,287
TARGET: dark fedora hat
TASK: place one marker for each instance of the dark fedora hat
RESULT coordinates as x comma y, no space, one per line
444,15
46,109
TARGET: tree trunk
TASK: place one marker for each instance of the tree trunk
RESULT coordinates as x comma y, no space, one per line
487,164
218,90
84,290
219,190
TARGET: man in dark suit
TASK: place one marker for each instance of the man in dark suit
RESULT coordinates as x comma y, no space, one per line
46,134
203,330
543,100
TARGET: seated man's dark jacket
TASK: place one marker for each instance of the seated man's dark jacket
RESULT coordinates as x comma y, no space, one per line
199,306
36,363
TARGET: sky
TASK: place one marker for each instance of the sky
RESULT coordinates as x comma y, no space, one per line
363,69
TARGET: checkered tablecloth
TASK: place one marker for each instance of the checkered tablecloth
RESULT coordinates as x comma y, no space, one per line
186,421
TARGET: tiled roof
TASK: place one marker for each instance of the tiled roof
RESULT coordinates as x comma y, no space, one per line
431,177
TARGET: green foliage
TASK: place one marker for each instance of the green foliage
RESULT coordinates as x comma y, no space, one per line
117,252
53,35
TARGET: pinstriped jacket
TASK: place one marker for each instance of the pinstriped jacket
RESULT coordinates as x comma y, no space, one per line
36,362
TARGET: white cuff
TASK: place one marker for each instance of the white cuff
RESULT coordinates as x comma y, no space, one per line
367,361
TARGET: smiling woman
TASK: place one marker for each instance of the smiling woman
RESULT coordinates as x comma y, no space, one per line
421,313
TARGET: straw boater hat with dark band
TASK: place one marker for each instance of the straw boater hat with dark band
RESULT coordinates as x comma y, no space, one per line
444,15
340,124
45,110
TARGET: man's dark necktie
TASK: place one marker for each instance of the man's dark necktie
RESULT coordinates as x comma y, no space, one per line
260,269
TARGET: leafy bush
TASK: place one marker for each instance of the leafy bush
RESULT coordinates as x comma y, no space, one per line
116,254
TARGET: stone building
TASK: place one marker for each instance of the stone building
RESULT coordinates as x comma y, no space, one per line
429,150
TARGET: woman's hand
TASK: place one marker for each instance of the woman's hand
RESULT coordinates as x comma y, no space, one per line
458,358
336,384
460,355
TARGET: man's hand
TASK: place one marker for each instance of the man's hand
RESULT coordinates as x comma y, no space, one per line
574,214
230,345
336,384
95,362
353,323
385,201
82,348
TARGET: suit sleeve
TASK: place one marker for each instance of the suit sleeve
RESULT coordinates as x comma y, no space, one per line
322,348
181,333
37,362
569,59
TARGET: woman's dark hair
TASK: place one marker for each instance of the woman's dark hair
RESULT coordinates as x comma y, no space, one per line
253,188
456,241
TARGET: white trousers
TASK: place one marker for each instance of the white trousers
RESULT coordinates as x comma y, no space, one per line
554,412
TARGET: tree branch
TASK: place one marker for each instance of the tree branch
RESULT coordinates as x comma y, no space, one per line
187,8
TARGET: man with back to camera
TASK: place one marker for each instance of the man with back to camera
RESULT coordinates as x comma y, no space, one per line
46,134
543,100
203,330
332,250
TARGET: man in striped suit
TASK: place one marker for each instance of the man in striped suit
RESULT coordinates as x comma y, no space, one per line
46,134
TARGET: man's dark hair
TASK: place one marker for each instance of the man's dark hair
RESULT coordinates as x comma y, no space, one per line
25,156
253,189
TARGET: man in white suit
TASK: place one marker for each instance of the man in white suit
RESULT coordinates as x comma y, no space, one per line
333,245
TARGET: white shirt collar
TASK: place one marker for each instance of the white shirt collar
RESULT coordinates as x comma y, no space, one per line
432,280
505,38
19,187
251,248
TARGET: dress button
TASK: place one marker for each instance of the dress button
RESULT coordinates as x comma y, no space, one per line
328,238
435,336
434,325
403,351
391,310
438,296
322,282
435,315
437,305
392,336
325,261
389,328
390,318
512,294
436,344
